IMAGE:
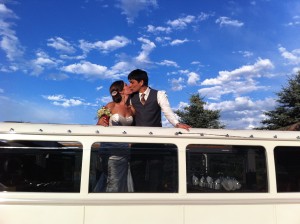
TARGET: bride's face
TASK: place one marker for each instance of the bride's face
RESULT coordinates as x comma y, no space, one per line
126,90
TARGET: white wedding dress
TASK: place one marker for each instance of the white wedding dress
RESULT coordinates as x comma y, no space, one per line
119,120
119,176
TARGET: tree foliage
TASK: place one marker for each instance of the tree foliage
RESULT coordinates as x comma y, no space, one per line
287,111
197,117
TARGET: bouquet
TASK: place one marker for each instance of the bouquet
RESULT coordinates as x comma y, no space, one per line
103,112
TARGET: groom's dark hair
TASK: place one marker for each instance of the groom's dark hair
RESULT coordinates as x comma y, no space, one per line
139,75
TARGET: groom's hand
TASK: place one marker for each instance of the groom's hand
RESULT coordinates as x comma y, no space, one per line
184,126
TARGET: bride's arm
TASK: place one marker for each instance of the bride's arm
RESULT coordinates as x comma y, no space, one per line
104,120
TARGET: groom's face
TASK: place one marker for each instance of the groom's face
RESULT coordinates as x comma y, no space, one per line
135,86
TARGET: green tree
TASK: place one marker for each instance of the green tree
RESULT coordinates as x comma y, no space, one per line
196,116
287,111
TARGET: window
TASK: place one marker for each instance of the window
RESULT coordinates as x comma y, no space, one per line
134,167
226,168
287,168
40,166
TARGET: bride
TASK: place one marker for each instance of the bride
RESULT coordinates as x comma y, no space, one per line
121,114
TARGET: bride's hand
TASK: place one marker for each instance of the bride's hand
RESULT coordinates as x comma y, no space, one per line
103,121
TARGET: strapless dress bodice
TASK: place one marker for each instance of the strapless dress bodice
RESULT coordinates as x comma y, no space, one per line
119,120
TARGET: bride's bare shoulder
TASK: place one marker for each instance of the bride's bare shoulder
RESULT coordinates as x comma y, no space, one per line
110,105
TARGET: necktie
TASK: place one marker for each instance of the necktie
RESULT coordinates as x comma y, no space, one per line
143,101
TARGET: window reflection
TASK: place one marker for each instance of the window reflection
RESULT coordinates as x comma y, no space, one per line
287,168
40,166
133,167
220,168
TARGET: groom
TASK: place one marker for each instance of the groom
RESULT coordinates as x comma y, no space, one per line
149,103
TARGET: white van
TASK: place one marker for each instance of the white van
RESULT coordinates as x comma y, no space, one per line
52,173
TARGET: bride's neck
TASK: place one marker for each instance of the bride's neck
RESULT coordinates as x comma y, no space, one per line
124,99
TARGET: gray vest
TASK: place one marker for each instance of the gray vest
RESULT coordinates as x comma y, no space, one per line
148,115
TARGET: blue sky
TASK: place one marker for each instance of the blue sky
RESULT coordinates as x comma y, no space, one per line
59,57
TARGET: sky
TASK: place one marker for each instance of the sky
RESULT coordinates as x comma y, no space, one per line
59,57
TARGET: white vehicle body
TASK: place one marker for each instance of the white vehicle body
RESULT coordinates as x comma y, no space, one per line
184,202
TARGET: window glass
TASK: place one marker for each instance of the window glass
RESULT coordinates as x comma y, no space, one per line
287,167
40,166
226,168
133,167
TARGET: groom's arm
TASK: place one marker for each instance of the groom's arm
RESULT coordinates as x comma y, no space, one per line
164,104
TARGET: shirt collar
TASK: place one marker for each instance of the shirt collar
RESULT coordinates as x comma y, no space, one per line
147,91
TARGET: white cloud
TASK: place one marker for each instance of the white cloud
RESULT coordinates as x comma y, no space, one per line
238,81
163,41
91,70
177,24
177,84
246,54
243,112
296,70
178,42
169,63
1,90
147,47
193,78
12,47
153,29
60,100
256,70
13,67
181,23
184,71
99,88
86,68
6,12
204,16
131,8
215,92
234,87
68,103
181,106
75,57
292,57
9,42
105,46
225,21
61,45
195,63
43,61
121,68
295,21
106,99
55,97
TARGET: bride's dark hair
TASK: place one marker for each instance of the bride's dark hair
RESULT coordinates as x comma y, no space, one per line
115,89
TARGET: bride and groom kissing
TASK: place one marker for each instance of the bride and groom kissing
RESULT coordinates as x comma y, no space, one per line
138,104
134,104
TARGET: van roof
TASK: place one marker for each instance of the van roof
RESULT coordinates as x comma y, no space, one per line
96,130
